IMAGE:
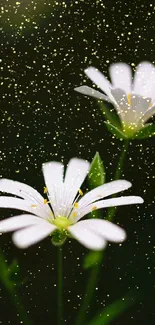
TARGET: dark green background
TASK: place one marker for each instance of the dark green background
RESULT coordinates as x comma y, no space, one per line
43,119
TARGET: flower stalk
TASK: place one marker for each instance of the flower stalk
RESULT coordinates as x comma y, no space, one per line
119,170
60,286
94,276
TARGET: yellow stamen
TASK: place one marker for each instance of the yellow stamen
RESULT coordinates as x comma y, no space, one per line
45,190
45,201
74,214
150,104
76,205
129,99
80,192
94,208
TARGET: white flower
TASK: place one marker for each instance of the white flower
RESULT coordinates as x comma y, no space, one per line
61,214
134,99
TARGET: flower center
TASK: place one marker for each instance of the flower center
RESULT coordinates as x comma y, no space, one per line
61,222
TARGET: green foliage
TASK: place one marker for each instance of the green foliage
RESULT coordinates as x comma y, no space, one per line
110,114
115,131
10,275
6,273
93,258
96,176
146,132
108,314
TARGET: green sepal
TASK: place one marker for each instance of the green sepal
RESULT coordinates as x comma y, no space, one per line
110,114
59,237
92,259
119,134
147,131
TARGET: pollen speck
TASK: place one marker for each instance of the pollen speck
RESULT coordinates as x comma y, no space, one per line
80,192
45,190
94,208
33,206
74,214
45,201
76,205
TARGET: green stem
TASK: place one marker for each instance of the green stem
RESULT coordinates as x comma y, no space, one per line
94,276
121,160
119,169
11,288
60,283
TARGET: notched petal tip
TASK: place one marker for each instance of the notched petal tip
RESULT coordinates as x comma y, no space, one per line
17,242
91,68
140,199
126,183
123,236
78,89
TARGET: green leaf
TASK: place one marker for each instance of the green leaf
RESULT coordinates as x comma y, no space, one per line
13,268
115,131
110,114
146,132
108,314
92,259
96,176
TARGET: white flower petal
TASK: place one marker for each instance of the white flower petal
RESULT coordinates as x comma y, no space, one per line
134,114
53,175
104,191
24,191
85,90
121,76
87,237
139,104
108,230
32,235
123,200
20,221
76,172
121,100
100,80
19,204
148,114
130,113
144,80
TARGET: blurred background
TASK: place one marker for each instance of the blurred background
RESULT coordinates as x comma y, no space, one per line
44,48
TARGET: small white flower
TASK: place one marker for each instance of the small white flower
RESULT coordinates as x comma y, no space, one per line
61,214
133,100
